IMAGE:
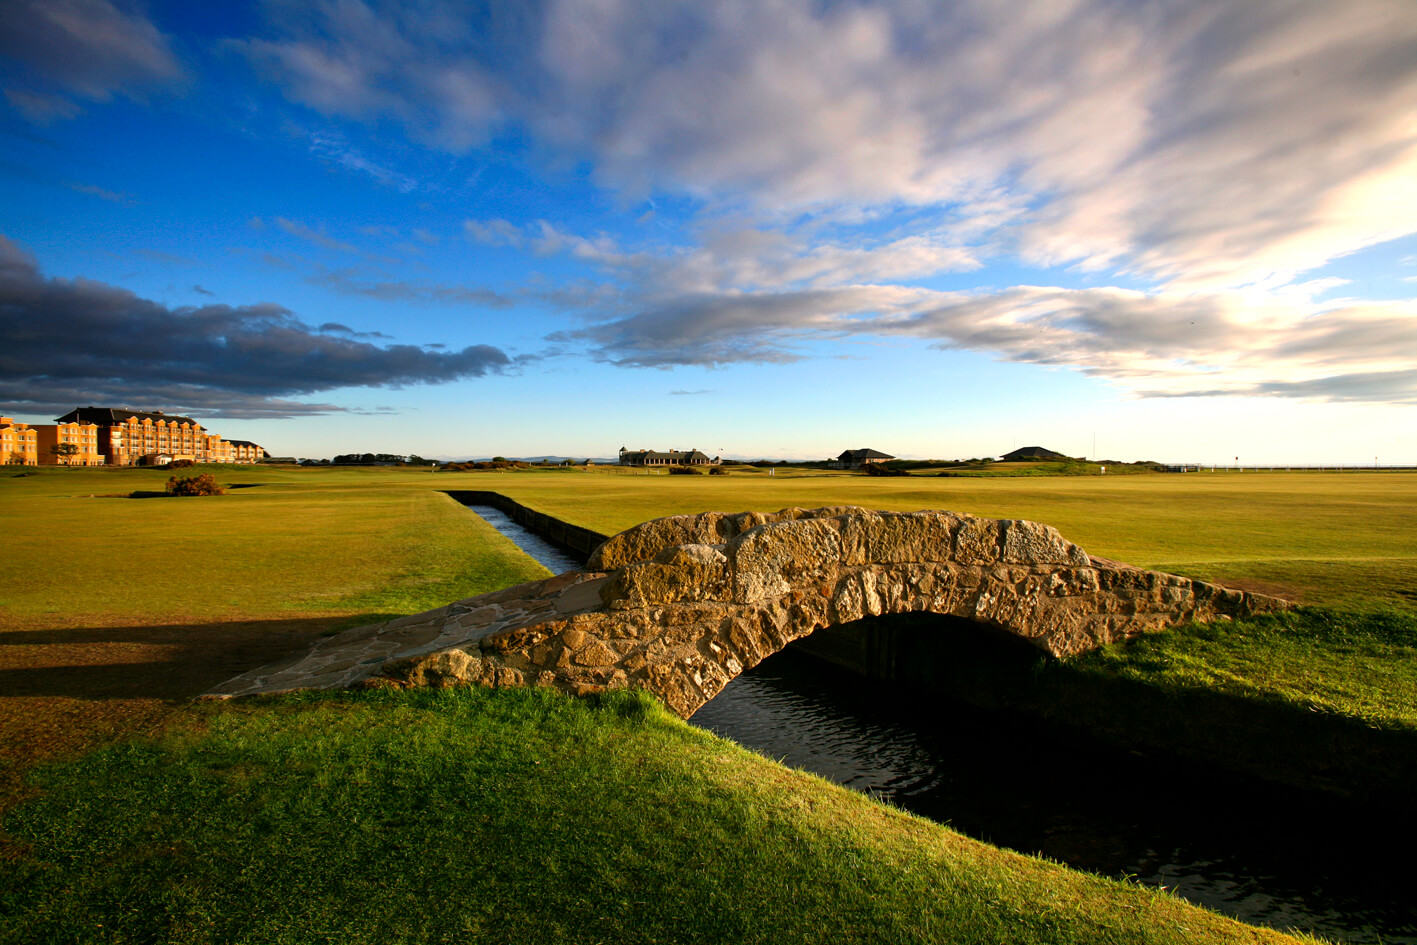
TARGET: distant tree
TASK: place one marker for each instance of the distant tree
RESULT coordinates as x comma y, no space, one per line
499,459
64,451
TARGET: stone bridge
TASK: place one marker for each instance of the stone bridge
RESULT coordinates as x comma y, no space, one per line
681,605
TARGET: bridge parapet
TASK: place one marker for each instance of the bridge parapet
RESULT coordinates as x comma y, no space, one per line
681,605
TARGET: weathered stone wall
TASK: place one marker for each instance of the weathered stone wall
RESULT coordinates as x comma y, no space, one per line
681,605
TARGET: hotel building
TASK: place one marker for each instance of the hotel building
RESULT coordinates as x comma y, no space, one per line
137,438
18,443
82,436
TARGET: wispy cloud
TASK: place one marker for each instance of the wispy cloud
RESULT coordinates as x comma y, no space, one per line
317,237
82,341
349,282
336,148
123,200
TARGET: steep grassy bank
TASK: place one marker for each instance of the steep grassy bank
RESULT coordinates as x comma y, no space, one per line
514,816
1317,699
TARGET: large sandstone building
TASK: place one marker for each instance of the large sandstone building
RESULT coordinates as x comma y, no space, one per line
108,436
18,443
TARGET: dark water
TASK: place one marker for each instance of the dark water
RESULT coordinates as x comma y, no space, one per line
1263,854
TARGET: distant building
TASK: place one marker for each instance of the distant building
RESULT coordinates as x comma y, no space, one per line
244,451
855,459
1032,453
82,436
18,443
671,458
138,438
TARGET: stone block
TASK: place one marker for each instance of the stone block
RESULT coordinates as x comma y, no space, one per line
976,541
770,559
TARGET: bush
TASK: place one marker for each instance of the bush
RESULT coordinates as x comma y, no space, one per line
194,485
180,464
717,471
683,471
879,469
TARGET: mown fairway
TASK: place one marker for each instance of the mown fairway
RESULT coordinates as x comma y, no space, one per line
1334,539
333,541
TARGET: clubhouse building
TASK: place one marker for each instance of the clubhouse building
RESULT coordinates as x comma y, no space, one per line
671,458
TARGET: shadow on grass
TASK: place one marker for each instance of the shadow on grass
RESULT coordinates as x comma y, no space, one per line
65,690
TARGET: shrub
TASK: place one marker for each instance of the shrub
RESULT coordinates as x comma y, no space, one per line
879,469
717,471
683,471
194,485
180,464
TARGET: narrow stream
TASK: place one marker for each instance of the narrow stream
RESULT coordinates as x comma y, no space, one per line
1263,854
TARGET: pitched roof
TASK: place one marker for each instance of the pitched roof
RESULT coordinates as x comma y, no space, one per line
865,454
108,416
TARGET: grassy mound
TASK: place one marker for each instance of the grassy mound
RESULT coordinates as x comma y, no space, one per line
514,816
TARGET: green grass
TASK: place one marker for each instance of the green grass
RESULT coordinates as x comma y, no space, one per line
279,544
1363,666
470,815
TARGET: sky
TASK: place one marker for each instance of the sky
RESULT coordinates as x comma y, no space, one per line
1180,230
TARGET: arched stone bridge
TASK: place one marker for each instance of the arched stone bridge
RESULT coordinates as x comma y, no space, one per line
681,605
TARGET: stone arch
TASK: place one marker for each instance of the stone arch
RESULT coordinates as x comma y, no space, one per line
681,605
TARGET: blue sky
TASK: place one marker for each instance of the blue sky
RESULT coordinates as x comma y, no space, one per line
1183,230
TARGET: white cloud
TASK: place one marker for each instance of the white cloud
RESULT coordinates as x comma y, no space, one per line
1203,143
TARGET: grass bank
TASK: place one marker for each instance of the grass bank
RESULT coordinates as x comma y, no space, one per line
515,816
1318,699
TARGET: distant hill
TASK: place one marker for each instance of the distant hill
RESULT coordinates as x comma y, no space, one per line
1032,453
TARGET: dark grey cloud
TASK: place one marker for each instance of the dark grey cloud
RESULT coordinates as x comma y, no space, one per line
1363,387
1151,344
80,341
339,329
727,328
88,49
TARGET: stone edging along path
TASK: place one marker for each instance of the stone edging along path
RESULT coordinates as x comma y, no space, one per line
681,605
